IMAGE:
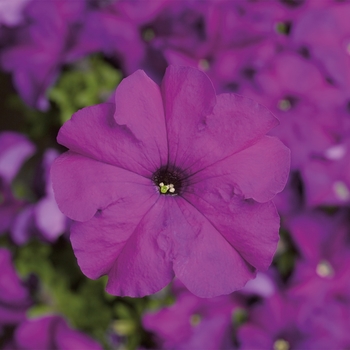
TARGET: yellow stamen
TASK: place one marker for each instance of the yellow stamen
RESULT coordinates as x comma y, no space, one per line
195,320
281,344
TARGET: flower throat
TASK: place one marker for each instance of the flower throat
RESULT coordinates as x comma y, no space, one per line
169,181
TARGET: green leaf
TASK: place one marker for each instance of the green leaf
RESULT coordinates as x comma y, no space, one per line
87,82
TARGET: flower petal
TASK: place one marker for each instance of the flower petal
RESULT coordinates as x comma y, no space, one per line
127,247
251,336
189,97
204,260
139,106
144,265
251,228
52,332
15,149
34,75
14,297
98,242
35,334
203,130
69,339
48,218
259,171
236,123
11,288
83,185
93,132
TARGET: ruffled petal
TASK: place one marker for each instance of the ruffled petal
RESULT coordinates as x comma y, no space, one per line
139,106
203,129
259,171
98,242
236,123
93,132
204,260
144,264
83,186
251,228
189,97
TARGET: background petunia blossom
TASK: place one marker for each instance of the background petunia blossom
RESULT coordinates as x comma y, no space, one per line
171,181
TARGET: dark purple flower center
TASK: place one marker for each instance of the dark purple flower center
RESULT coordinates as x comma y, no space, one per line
169,180
293,3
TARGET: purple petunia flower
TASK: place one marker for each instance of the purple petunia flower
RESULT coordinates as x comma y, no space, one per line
322,34
51,332
235,43
171,181
322,269
192,322
279,323
47,41
320,280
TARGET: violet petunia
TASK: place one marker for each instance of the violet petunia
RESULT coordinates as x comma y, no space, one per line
279,323
322,269
322,34
236,42
171,181
192,322
47,41
327,175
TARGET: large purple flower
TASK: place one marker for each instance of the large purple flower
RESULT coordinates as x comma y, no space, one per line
171,181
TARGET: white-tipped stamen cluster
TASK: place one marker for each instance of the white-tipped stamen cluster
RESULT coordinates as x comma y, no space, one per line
165,188
281,344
